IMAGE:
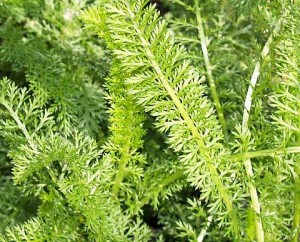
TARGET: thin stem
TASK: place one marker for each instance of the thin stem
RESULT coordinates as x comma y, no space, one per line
183,4
247,106
20,124
208,67
265,153
154,192
254,201
224,4
121,172
204,230
256,72
296,218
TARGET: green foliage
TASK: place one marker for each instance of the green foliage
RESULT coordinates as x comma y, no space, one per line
43,42
182,125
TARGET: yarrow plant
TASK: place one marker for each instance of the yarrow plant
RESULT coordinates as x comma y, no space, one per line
120,122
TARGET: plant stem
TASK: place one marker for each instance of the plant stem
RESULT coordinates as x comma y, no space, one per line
204,230
208,67
248,102
256,72
20,124
224,4
254,201
154,192
265,153
183,4
121,172
296,219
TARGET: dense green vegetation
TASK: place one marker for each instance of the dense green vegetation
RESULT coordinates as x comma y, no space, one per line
133,121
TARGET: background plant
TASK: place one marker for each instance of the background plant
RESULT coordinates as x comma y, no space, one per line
179,125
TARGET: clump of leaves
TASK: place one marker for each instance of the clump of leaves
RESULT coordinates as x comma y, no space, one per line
175,127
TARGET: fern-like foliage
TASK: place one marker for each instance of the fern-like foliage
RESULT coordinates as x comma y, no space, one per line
126,128
43,46
284,100
163,80
39,230
180,125
64,172
165,84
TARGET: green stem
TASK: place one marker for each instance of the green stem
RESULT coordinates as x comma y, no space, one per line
154,192
254,201
208,67
224,5
20,124
121,171
296,219
264,153
248,103
183,4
